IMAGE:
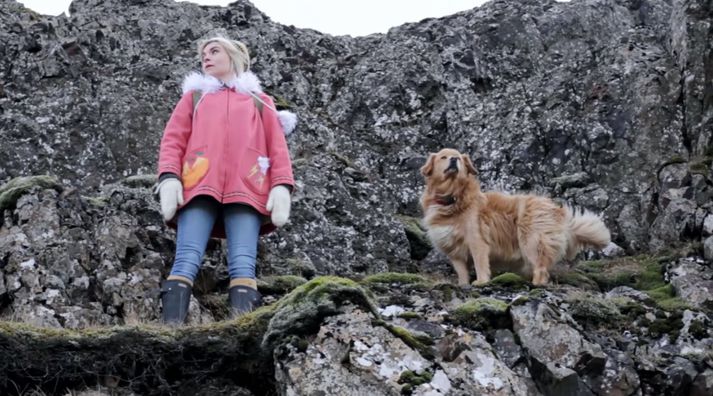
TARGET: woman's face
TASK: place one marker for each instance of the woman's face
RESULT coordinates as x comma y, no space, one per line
216,62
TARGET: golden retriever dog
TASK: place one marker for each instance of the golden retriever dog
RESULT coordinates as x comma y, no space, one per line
527,234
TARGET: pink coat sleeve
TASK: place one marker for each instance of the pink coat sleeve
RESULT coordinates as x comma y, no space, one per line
175,136
280,163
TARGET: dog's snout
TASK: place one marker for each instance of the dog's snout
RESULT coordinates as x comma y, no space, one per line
452,167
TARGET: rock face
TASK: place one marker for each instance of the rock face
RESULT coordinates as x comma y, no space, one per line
389,334
605,104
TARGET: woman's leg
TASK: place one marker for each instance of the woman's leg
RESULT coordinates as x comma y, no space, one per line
195,223
242,228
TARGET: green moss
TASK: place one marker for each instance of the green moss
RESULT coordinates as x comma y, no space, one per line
640,272
300,343
448,289
246,324
574,278
34,331
520,300
482,314
302,310
419,343
411,380
537,293
419,243
676,159
281,102
11,191
409,315
509,280
698,330
652,275
280,284
662,293
670,324
595,311
665,298
413,225
327,286
701,165
394,277
628,307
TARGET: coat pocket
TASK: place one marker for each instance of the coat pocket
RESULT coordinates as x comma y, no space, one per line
195,167
255,171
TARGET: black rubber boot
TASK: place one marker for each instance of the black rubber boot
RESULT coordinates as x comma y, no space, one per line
175,297
243,299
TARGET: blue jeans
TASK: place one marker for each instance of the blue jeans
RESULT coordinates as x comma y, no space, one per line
195,222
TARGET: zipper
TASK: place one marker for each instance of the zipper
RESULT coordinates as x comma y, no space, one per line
226,142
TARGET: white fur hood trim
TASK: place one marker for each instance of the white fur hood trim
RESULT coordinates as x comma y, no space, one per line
288,120
246,83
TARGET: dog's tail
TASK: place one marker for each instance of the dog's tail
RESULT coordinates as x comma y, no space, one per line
585,230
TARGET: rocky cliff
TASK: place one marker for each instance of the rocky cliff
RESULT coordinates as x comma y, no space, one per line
607,105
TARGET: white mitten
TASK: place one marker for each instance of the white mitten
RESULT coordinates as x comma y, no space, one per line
171,196
278,203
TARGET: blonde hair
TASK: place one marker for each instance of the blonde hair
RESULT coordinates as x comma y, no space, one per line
237,51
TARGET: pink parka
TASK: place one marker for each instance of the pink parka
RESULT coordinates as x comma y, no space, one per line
225,148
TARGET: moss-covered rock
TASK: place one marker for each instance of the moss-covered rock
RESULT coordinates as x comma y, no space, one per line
281,103
412,379
301,312
639,272
11,191
508,280
419,242
84,357
574,278
629,308
394,277
594,310
665,298
280,284
447,290
422,343
240,348
408,315
665,323
698,329
482,314
701,165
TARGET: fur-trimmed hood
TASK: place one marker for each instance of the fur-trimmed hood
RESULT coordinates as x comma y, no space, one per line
246,83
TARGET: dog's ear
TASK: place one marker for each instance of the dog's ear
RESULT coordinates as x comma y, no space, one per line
427,169
469,164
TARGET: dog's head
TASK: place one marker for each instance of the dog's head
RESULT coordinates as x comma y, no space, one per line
447,167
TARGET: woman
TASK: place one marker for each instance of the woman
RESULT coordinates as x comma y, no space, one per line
224,171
